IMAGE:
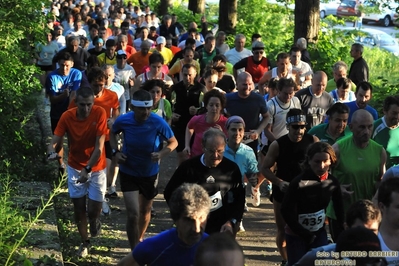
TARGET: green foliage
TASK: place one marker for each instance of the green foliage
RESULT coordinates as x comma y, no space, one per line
274,23
19,27
11,219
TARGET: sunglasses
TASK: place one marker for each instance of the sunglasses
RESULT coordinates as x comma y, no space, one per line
258,52
121,57
296,127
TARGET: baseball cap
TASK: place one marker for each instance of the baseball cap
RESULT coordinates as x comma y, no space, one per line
257,45
121,53
161,39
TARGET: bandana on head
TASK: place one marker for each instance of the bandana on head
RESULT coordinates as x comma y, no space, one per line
137,103
296,119
234,119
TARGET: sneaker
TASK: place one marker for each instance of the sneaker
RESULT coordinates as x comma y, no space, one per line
83,250
106,210
255,197
95,230
241,228
111,193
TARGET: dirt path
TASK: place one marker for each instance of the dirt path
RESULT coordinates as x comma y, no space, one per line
257,241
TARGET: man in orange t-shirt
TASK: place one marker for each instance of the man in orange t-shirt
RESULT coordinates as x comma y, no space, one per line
140,59
108,100
86,128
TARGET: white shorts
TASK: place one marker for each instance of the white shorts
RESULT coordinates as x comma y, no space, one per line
95,187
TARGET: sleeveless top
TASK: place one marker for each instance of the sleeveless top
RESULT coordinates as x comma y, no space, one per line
275,75
256,70
279,114
145,76
291,155
359,167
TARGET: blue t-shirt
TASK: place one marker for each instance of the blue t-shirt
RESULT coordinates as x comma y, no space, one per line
353,108
244,157
56,84
165,249
140,140
248,108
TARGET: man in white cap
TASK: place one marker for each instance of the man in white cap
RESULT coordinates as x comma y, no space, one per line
165,52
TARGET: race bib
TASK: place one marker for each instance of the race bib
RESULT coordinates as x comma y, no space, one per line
216,200
247,138
312,221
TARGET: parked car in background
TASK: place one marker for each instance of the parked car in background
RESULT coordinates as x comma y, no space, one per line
376,38
329,7
385,16
347,8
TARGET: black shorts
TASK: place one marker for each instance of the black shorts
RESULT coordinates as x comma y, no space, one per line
145,185
108,150
54,123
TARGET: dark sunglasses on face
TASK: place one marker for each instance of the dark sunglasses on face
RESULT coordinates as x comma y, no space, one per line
121,57
296,127
258,52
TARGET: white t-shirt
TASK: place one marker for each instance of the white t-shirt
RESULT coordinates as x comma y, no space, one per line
233,56
122,77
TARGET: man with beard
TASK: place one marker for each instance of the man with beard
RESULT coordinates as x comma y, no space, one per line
287,153
386,130
364,93
189,207
220,177
336,128
361,164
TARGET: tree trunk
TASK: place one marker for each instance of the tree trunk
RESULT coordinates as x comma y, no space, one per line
164,7
228,16
197,6
307,20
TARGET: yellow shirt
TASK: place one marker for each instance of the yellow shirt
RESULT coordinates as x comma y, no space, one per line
166,54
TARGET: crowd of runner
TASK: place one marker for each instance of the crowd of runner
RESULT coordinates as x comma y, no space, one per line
127,88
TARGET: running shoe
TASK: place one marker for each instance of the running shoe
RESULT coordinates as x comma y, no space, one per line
95,230
106,210
83,250
111,193
255,197
241,227
246,209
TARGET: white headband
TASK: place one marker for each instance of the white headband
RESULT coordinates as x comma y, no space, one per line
142,103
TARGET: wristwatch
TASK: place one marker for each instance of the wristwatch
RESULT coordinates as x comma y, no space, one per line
88,168
115,151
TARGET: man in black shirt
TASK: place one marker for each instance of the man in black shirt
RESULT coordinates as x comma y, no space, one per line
359,70
220,177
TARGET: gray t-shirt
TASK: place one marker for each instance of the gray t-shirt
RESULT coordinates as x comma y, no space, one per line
315,107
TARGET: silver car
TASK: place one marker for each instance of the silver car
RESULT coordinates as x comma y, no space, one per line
376,38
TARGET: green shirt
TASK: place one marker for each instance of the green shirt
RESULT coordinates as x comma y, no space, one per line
320,131
359,167
331,85
389,139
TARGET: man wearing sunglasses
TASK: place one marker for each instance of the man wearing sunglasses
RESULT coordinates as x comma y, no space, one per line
287,152
256,65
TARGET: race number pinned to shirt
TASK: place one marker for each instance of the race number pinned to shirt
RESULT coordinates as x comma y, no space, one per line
216,200
312,221
247,138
